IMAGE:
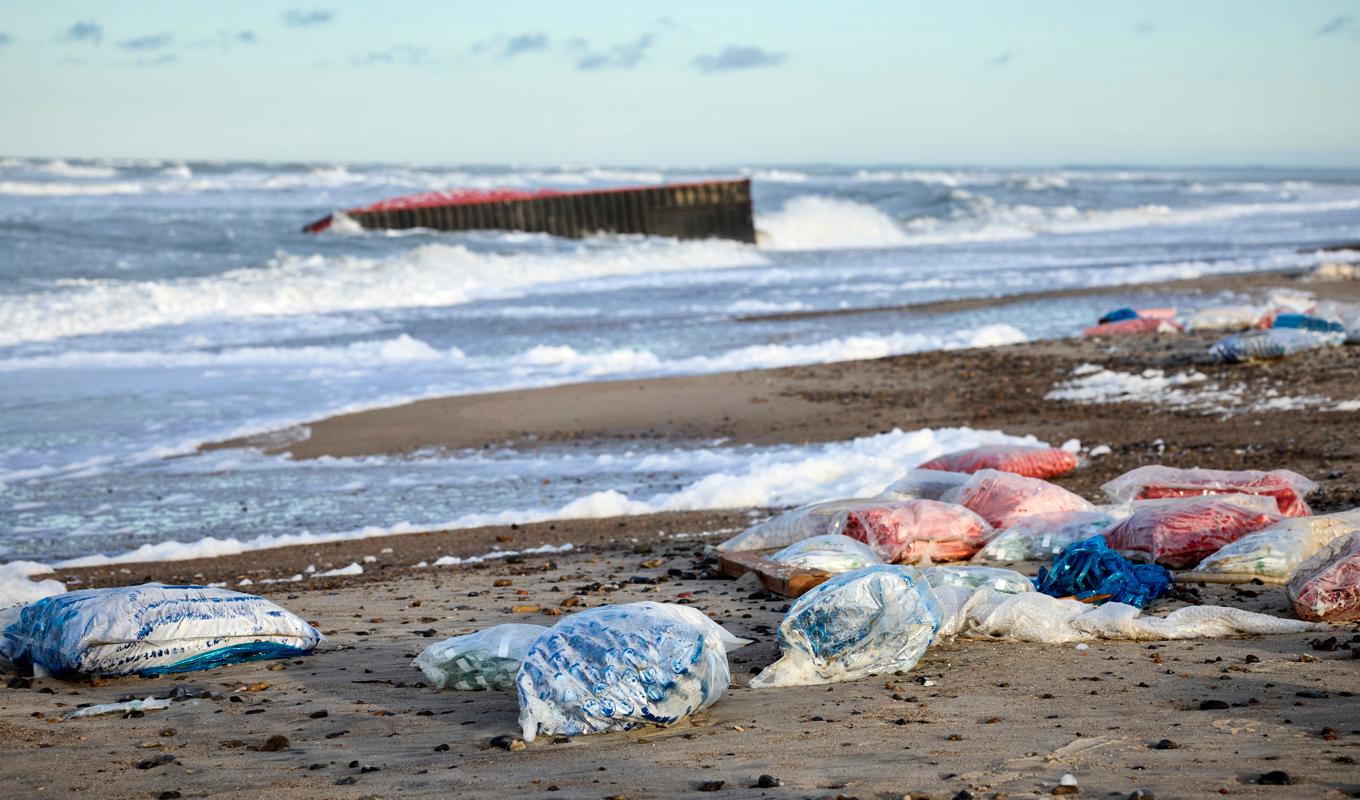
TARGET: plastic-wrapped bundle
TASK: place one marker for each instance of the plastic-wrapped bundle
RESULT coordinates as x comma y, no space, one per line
924,484
782,530
1003,498
1006,581
1225,318
908,531
1348,314
831,553
152,629
1182,532
1272,554
618,667
1270,343
1089,570
1027,460
1327,585
487,659
1307,322
1134,326
1157,482
1043,536
868,622
1119,315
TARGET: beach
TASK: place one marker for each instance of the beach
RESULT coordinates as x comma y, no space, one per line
1000,719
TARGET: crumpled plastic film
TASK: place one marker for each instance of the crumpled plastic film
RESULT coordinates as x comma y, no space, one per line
923,484
831,553
1042,536
782,530
1006,581
1271,343
1003,498
1273,554
912,531
1157,482
487,659
1327,585
1091,571
1181,532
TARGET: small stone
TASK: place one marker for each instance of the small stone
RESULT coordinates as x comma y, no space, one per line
158,761
322,714
168,732
1061,789
500,582
441,748
1329,734
348,780
507,742
1141,794
1312,695
1250,659
19,683
768,782
274,744
525,609
1165,744
553,611
1275,778
711,786
169,794
1212,705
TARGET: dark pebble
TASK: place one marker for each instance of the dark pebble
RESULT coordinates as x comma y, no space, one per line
1165,744
348,780
169,794
274,744
441,748
319,714
1312,695
336,734
711,786
1212,705
1141,794
963,794
158,761
19,683
1275,778
768,782
1251,659
507,742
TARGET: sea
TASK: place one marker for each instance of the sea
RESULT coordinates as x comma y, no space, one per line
148,307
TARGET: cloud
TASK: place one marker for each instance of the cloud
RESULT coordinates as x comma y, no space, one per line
621,56
300,18
734,57
84,31
1145,26
245,37
1335,25
5,39
156,61
503,46
405,55
225,40
158,41
1004,58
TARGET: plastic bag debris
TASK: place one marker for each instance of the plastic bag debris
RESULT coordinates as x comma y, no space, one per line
1273,554
1312,324
1003,498
923,484
1042,536
1134,326
831,553
868,622
1224,318
1157,482
1348,314
152,629
1027,460
1090,571
1327,585
1119,315
147,704
1269,343
618,667
908,531
1179,533
782,530
487,659
1006,581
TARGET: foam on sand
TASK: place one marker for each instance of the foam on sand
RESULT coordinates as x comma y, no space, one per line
17,589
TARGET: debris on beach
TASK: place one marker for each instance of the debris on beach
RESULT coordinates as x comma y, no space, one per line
125,707
1004,498
1263,345
924,484
910,531
1157,482
1273,554
804,522
1091,572
487,659
1327,585
832,553
1026,460
1181,532
972,576
1134,326
1039,537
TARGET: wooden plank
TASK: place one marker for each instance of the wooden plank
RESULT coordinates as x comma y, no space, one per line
778,578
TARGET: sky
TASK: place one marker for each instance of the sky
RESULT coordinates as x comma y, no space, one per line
694,83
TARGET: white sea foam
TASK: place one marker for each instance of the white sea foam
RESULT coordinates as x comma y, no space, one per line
48,189
400,349
16,588
815,222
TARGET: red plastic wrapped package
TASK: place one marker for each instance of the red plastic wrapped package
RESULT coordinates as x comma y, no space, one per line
909,531
1157,482
1002,498
1134,326
1180,533
1027,460
1326,587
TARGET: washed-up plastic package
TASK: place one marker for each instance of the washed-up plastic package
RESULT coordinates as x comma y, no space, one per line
1224,318
1034,617
152,629
1327,585
487,659
782,530
1157,482
1042,536
1348,314
1182,532
908,531
1027,460
1273,554
1006,581
833,553
1003,498
1092,572
924,484
1290,301
1118,315
1270,343
1135,326
619,667
1307,322
868,622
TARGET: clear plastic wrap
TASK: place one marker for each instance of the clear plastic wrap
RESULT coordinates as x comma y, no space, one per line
908,531
833,553
619,667
1224,318
1273,554
1130,327
1327,585
1179,533
1157,482
487,659
1006,581
867,622
923,484
152,629
1270,343
782,530
1348,314
1003,498
1042,536
1028,460
1092,572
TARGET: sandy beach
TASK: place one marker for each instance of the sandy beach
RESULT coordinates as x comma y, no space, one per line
1001,720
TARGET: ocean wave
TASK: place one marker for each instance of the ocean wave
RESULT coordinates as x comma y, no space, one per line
817,222
398,350
52,189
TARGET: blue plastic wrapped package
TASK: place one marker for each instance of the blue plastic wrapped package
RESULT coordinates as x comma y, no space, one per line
152,629
1006,581
1119,315
619,667
1091,571
833,553
868,622
1271,343
487,659
1310,323
1039,537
